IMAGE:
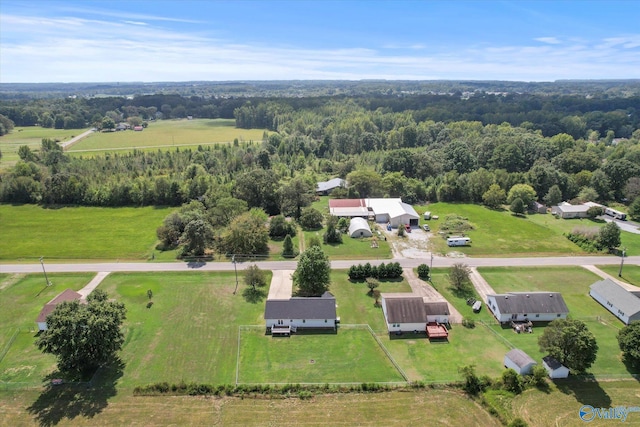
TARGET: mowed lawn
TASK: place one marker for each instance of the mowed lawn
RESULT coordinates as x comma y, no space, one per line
32,137
29,232
169,133
573,283
21,299
350,355
190,333
630,273
499,233
350,248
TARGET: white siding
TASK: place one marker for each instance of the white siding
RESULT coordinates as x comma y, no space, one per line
561,372
508,363
613,309
438,318
302,323
42,326
407,327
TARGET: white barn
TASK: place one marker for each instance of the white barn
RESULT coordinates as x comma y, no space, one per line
301,313
554,368
359,227
624,304
392,211
523,306
519,361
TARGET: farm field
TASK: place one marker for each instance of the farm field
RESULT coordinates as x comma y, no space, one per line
79,233
32,137
350,355
168,134
499,233
573,283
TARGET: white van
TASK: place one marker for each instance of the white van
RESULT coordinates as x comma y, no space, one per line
458,241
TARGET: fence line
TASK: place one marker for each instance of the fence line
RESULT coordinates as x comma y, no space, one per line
511,346
6,348
393,361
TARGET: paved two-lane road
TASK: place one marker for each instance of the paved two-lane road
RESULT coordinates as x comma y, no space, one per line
291,265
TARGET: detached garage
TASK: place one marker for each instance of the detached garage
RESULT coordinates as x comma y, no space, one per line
519,361
359,227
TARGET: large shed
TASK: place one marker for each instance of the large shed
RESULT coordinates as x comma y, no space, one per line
359,227
622,303
519,361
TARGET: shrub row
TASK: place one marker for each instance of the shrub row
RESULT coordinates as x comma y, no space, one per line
382,271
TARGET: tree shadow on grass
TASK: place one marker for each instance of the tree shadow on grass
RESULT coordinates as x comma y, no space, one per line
586,390
633,367
72,400
464,292
254,296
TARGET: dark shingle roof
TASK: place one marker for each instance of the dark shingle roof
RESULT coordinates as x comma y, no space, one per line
520,358
323,307
436,308
531,302
552,362
66,295
405,310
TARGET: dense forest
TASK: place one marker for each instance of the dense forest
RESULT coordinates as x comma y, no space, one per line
421,147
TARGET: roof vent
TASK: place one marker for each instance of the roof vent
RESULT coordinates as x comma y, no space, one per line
550,295
506,297
527,295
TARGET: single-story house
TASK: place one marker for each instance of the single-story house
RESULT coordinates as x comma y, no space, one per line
409,313
554,368
66,295
287,315
624,304
568,211
359,227
519,361
523,306
123,126
539,208
388,211
325,188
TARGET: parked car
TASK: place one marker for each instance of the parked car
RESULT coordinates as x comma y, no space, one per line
426,227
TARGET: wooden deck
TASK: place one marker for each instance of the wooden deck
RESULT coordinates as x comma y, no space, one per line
437,330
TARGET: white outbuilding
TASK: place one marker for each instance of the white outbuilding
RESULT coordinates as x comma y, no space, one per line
554,368
359,227
519,361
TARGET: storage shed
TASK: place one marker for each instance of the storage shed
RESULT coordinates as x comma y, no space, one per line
519,361
554,368
359,227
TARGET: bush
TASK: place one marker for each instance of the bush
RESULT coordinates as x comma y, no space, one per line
468,323
423,271
279,227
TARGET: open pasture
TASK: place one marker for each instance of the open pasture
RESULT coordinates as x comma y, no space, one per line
32,137
168,133
499,233
79,233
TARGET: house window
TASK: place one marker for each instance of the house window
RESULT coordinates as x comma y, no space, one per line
558,315
537,315
525,315
304,321
325,320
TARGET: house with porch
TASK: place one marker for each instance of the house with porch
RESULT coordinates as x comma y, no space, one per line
527,306
285,316
409,313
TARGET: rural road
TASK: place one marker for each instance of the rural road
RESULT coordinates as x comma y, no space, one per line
98,267
75,139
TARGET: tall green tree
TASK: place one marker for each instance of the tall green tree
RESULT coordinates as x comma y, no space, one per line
517,206
246,235
554,196
494,196
312,276
459,276
254,277
295,195
570,342
525,192
629,342
609,236
197,237
84,337
311,219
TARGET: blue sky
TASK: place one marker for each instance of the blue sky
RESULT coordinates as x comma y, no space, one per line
161,40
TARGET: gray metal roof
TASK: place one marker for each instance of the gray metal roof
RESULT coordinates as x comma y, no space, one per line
520,358
330,185
323,307
622,299
405,310
531,302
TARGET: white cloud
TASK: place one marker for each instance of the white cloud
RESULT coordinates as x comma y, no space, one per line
45,49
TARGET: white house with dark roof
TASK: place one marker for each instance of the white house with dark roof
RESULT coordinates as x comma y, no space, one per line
408,313
67,295
624,304
288,315
523,306
326,187
519,361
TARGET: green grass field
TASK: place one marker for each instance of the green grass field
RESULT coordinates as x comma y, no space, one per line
29,232
630,273
573,283
168,133
499,233
32,137
350,355
21,299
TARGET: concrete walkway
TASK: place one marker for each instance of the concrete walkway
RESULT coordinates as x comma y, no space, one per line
281,284
429,294
482,286
93,284
604,275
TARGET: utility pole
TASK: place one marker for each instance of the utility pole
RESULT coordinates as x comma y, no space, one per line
624,252
233,260
46,279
